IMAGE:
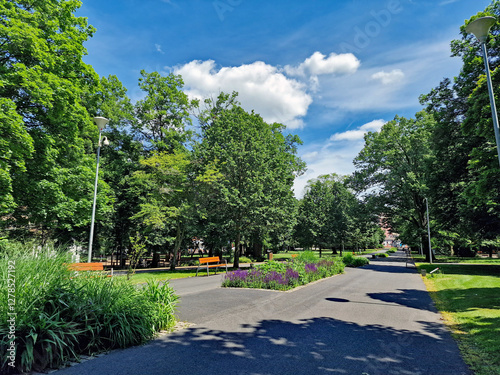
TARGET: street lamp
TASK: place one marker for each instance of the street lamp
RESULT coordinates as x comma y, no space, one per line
101,124
480,27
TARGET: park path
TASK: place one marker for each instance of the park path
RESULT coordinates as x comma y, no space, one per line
378,319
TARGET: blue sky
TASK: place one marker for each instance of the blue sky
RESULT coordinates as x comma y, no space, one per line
329,70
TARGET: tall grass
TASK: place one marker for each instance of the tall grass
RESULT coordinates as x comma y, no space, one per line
60,316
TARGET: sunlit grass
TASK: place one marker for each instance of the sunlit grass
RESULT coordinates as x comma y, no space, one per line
454,259
469,298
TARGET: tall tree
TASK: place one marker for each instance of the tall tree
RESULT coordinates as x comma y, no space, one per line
257,163
43,75
464,182
394,163
327,212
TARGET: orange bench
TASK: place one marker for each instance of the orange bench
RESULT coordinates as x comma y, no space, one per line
88,267
211,262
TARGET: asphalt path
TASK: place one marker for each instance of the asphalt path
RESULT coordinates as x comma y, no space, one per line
377,319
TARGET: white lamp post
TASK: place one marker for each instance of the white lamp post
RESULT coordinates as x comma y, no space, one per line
480,28
101,124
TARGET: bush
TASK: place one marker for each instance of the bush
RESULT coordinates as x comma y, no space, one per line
383,255
352,261
60,316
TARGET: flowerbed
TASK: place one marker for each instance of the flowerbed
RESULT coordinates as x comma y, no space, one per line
283,276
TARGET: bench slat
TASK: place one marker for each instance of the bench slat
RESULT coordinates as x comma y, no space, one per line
86,267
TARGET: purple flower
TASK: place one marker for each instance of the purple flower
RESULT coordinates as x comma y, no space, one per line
311,267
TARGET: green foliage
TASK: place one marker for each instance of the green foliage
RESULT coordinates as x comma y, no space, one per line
137,251
397,160
253,198
306,256
383,255
352,261
60,316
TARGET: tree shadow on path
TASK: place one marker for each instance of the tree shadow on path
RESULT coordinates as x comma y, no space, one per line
277,347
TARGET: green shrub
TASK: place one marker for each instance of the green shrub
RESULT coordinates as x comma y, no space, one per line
382,255
60,316
245,260
391,251
352,261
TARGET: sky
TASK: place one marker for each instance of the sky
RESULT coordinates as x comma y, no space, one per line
329,70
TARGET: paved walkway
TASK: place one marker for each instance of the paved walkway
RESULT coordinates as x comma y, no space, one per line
377,319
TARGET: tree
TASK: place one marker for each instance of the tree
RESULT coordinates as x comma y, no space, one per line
257,164
394,163
464,182
44,82
168,203
164,114
327,212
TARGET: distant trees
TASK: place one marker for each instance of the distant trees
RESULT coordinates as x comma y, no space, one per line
331,216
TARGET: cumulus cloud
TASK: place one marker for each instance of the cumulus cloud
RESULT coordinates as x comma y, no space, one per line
388,78
358,134
319,64
261,87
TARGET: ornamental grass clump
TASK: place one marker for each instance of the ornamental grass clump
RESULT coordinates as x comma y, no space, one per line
60,316
283,276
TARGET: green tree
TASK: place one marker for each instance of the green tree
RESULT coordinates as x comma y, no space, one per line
394,163
327,213
257,164
43,75
464,182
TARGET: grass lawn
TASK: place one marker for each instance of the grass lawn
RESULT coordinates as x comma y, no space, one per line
452,259
468,296
142,277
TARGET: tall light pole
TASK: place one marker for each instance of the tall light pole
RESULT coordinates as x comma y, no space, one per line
480,28
428,229
101,124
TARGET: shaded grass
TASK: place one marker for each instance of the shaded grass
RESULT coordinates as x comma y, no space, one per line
468,296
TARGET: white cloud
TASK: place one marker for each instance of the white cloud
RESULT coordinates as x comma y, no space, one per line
319,64
158,48
388,78
358,134
261,87
332,156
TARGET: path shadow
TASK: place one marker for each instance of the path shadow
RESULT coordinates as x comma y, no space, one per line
276,347
414,298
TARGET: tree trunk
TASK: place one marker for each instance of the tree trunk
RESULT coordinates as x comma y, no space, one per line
178,240
236,263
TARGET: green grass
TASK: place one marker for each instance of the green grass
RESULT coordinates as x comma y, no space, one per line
143,277
468,296
452,259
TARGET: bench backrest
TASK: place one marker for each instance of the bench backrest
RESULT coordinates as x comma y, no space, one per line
86,267
209,260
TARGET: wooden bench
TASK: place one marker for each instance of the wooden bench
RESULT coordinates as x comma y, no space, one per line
88,267
211,262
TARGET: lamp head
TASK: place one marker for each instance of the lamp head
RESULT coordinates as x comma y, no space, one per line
101,122
480,27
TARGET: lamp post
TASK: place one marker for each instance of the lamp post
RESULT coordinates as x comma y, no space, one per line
480,28
101,124
428,229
